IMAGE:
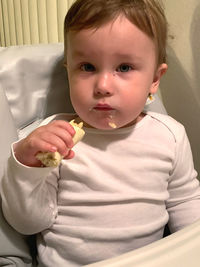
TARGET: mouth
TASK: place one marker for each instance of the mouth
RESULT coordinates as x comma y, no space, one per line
103,107
105,115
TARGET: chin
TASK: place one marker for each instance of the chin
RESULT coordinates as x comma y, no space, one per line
105,125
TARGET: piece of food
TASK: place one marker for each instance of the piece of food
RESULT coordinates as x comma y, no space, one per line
49,159
112,125
79,131
53,159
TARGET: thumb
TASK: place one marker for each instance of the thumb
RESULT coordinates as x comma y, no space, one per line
70,155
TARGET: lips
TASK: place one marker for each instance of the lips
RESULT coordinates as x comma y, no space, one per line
103,107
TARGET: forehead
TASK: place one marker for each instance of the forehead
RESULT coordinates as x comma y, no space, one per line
119,37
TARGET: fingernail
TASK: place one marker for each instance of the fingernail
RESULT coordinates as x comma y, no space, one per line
54,149
67,152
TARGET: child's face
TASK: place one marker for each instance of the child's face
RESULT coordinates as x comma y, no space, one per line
111,72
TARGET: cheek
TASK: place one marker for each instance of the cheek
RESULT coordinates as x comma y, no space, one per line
77,104
76,97
134,104
134,98
75,87
79,98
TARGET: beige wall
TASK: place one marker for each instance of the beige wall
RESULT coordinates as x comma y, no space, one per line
180,88
32,21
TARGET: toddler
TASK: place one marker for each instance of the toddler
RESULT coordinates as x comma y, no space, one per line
116,189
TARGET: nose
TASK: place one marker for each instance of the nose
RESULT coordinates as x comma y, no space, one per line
104,84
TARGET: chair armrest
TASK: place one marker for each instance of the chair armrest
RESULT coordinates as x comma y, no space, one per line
13,248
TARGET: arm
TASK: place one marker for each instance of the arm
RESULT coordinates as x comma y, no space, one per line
29,197
13,249
29,192
184,192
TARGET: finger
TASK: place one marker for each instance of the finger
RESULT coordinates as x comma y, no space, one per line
64,125
55,141
35,144
62,134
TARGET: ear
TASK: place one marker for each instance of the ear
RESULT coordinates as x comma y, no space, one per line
158,74
65,63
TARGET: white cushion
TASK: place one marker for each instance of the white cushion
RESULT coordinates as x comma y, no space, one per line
35,81
13,248
8,130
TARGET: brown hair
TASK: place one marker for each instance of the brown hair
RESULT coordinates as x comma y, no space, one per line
147,15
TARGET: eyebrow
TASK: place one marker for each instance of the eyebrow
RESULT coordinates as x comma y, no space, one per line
79,53
128,56
125,56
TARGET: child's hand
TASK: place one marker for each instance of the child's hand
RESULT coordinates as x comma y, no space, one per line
55,136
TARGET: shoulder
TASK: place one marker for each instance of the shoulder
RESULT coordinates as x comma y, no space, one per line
59,116
168,125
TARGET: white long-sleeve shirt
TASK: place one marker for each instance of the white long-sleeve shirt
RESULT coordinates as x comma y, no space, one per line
116,195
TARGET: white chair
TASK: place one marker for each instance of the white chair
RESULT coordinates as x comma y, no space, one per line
33,85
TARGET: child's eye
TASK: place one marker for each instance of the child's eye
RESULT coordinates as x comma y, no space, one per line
124,68
87,67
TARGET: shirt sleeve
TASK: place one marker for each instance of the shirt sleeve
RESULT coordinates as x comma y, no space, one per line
183,204
29,196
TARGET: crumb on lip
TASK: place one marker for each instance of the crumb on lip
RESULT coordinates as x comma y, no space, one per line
112,124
